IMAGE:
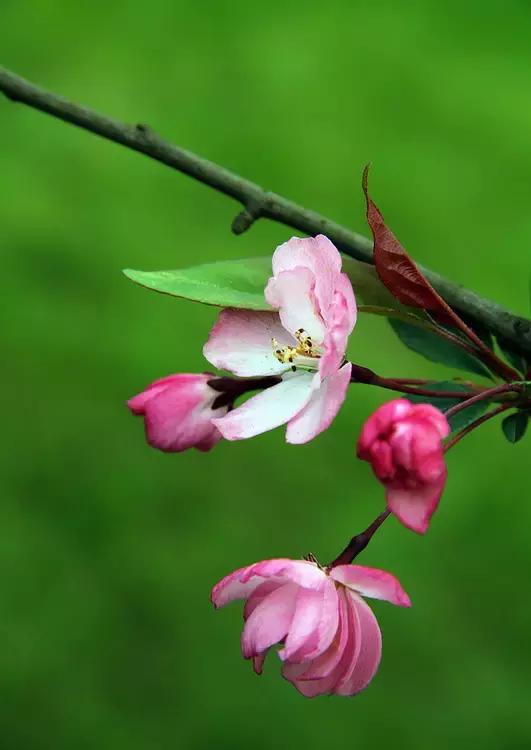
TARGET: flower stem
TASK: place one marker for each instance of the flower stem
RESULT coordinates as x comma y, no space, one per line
488,393
493,413
365,375
358,543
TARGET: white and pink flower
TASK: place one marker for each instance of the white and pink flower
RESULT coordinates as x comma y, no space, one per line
303,342
330,638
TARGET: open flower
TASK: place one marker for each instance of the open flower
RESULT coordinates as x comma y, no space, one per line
304,343
331,642
403,443
178,412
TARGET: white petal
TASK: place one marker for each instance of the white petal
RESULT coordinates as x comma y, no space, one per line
240,342
269,409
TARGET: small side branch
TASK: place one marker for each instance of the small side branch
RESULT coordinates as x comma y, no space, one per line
257,202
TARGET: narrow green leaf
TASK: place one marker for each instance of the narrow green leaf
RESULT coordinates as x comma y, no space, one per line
432,347
460,420
515,425
230,283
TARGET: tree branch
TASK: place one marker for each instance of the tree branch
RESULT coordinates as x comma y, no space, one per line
257,203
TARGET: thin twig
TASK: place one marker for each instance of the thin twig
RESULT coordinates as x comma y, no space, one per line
256,202
485,418
486,394
358,543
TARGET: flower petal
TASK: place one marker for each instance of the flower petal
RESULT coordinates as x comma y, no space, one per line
380,423
369,652
314,623
242,582
240,342
324,665
377,584
415,507
319,255
292,294
270,621
339,661
179,418
269,409
321,409
339,318
260,593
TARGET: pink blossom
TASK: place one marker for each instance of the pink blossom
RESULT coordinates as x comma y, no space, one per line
403,443
178,412
330,639
303,342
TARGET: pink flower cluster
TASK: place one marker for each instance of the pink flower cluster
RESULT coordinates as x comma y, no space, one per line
294,355
331,641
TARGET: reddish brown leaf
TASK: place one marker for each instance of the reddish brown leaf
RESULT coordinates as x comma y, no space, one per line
400,274
395,268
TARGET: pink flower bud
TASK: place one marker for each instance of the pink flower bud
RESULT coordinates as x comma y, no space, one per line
403,443
331,642
178,412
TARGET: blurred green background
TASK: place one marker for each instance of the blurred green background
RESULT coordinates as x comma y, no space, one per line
108,549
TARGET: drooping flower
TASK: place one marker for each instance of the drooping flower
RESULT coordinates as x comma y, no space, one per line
304,342
331,641
403,443
178,412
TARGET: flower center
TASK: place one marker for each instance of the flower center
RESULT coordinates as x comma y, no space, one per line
306,354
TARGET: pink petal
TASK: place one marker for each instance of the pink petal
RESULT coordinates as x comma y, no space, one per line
415,507
324,665
269,409
368,654
240,342
435,416
321,409
314,623
320,256
179,418
292,294
138,403
260,593
343,652
340,318
242,582
301,572
380,422
377,584
270,621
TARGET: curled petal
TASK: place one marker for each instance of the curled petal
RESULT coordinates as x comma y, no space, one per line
292,294
368,651
371,582
269,409
380,422
242,582
314,623
321,408
270,621
240,342
415,507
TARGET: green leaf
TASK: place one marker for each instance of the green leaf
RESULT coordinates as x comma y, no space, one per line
368,288
514,358
460,420
230,283
515,425
432,347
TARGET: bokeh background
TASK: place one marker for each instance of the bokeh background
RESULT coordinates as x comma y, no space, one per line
108,549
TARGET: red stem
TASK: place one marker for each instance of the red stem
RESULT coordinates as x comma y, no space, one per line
498,410
488,393
358,543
